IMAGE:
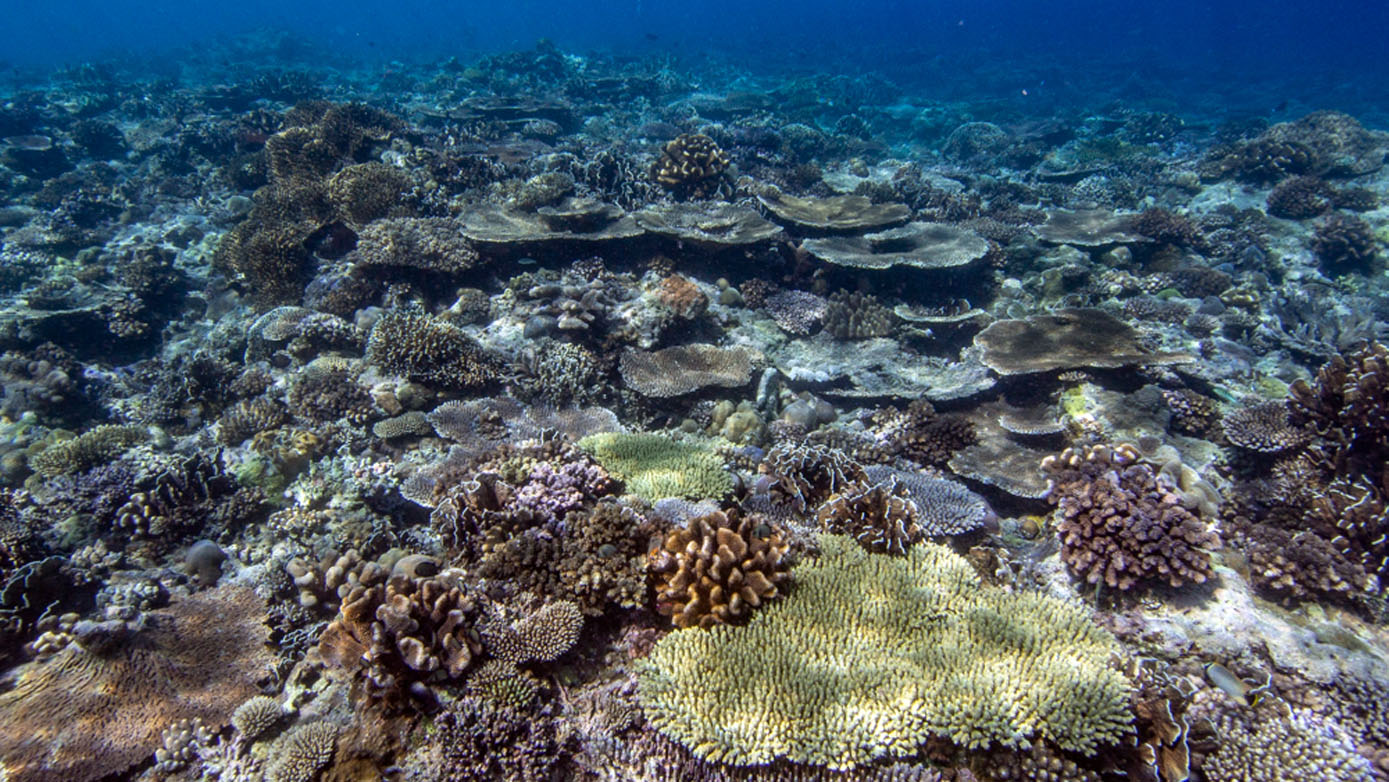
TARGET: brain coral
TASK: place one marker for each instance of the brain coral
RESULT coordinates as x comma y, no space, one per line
872,655
654,466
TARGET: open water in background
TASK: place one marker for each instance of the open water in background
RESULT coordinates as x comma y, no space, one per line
1194,56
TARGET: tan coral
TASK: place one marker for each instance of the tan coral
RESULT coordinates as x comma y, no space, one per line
718,569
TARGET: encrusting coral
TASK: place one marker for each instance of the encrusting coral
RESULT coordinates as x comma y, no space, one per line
871,656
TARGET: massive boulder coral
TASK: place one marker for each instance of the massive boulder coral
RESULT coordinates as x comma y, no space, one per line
844,671
718,568
1121,525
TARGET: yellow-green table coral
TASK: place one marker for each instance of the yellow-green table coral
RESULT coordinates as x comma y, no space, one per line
653,466
871,655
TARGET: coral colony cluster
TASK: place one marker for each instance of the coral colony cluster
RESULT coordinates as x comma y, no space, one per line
555,418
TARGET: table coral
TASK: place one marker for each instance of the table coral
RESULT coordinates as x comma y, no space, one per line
847,670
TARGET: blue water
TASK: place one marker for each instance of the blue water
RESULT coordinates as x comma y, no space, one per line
1311,54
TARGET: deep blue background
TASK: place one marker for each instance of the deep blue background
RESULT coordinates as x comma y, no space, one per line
1304,51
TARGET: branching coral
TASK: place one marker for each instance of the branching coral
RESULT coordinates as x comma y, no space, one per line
432,351
690,164
717,569
845,671
883,517
1120,525
803,476
393,639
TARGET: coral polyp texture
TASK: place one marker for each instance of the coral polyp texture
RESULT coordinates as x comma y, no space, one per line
1121,525
845,671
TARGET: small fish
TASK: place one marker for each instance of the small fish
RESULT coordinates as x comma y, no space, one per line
1238,689
652,37
1281,107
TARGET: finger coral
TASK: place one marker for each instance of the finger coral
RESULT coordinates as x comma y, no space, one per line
1119,525
845,671
718,569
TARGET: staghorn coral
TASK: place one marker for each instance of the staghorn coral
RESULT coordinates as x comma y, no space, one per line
685,369
478,740
365,192
432,351
1301,198
248,418
94,447
327,390
1119,525
392,640
540,636
921,434
717,569
1193,413
882,517
653,466
691,165
1167,227
100,705
256,717
303,752
501,683
844,672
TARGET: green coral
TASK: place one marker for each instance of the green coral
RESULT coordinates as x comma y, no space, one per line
653,466
872,655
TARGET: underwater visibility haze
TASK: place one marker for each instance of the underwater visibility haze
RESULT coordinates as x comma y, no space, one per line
710,391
